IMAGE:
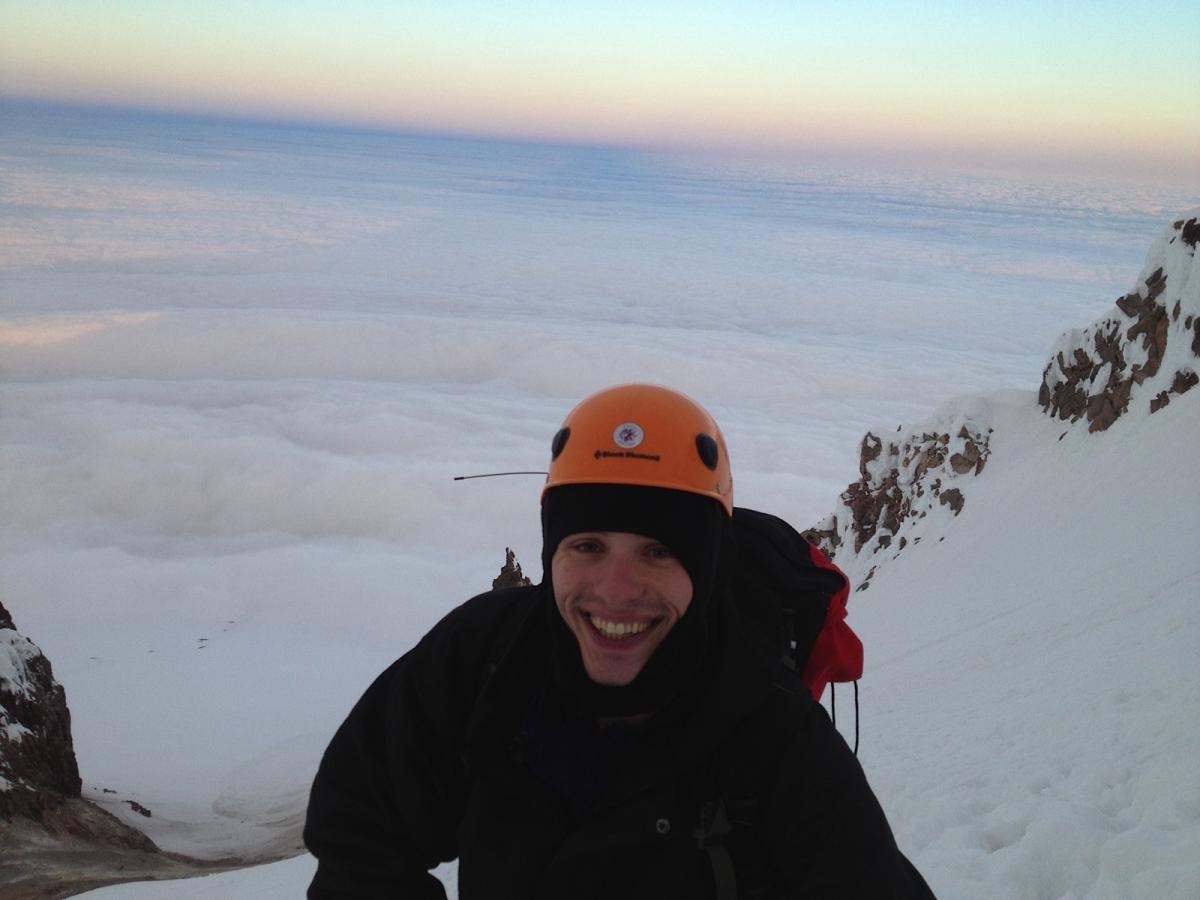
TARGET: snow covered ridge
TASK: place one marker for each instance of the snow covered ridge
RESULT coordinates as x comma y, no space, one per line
1142,353
911,486
37,757
1138,357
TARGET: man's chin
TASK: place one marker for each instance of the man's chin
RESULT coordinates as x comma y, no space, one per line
613,673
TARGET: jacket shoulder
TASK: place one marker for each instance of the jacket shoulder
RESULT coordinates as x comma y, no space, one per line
388,795
458,650
486,620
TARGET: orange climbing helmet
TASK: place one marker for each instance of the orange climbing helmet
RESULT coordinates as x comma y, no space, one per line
642,434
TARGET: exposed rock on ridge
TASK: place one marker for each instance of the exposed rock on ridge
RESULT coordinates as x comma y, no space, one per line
510,573
1143,353
907,483
38,771
1139,357
52,841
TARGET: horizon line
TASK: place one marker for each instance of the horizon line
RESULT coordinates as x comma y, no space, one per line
949,159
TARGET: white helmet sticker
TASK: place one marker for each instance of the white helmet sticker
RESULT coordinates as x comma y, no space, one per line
628,435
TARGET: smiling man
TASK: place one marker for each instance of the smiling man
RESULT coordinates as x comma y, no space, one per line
622,729
620,594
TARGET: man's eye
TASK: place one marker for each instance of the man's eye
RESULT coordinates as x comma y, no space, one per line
587,546
659,551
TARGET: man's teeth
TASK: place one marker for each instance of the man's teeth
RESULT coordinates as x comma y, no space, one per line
618,630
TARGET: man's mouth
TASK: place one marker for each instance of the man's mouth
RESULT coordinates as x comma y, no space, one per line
618,631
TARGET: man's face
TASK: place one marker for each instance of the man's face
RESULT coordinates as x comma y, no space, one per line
620,594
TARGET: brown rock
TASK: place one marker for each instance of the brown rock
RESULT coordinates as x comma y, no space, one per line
1161,327
37,755
1068,401
1184,382
1120,395
1155,283
1131,304
1109,346
510,573
953,498
1191,232
880,506
866,582
1100,413
827,539
931,458
1143,327
1073,392
868,452
968,460
872,510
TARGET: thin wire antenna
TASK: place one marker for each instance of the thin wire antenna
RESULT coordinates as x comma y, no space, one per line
495,474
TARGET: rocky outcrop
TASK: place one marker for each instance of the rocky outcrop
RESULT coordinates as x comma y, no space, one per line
510,573
907,483
38,770
40,785
1138,358
1143,353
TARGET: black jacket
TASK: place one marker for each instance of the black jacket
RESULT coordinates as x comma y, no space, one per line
745,769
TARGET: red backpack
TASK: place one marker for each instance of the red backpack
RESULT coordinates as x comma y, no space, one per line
788,587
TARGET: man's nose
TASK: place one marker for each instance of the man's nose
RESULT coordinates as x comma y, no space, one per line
620,582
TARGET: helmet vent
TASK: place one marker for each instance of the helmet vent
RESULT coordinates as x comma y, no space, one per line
707,448
560,441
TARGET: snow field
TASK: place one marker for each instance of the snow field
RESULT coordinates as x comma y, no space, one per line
1026,725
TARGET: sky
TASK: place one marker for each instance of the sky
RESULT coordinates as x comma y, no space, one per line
1091,86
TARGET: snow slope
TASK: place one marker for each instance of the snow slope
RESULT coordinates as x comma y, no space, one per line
1029,718
1025,723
